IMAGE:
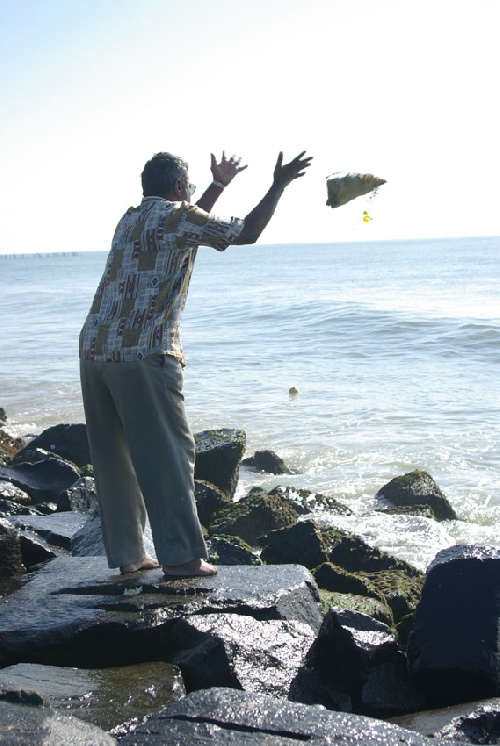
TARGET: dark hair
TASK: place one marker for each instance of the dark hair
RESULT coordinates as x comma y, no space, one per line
160,174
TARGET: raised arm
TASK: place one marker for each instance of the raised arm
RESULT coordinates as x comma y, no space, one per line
259,217
223,173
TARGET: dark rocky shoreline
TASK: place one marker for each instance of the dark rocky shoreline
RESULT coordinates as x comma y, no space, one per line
300,615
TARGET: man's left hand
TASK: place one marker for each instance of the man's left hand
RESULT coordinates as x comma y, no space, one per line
226,170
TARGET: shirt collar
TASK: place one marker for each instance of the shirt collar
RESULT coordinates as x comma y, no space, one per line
157,199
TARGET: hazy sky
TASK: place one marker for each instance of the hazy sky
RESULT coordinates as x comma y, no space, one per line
404,89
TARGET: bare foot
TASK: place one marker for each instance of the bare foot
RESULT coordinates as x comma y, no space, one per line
192,569
147,563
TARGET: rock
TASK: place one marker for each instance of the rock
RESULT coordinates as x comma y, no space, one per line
239,651
253,517
56,529
68,441
35,550
312,545
304,541
114,699
418,488
76,612
209,499
21,725
218,458
227,716
357,656
305,501
80,496
474,722
10,551
230,550
42,480
267,461
3,415
453,648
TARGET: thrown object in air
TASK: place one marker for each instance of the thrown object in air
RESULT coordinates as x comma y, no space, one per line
343,187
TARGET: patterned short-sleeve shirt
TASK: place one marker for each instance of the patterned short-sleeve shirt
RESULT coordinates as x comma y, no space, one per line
138,304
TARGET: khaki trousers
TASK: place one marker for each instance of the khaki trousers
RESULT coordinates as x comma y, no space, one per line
143,456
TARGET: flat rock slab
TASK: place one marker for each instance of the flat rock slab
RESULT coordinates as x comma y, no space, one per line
227,716
57,529
114,699
75,611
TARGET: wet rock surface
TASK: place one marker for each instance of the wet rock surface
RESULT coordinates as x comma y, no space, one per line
218,457
114,699
227,716
267,461
21,725
419,490
453,648
254,516
355,665
77,612
42,480
57,529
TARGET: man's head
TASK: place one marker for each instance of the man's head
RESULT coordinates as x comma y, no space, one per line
166,175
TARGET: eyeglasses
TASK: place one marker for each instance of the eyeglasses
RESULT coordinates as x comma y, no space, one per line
190,187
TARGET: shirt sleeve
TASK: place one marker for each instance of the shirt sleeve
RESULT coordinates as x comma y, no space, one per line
199,228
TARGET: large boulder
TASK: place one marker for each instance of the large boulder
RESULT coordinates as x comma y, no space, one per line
68,441
305,541
417,488
231,550
218,457
57,530
453,649
75,611
223,716
209,499
267,461
311,545
253,517
43,479
355,665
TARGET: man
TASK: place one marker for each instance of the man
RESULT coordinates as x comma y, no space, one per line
131,362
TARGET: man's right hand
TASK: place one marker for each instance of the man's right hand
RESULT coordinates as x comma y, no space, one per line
285,174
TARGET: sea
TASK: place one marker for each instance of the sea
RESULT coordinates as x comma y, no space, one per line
354,362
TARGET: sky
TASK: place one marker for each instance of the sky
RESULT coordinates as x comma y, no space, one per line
404,89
